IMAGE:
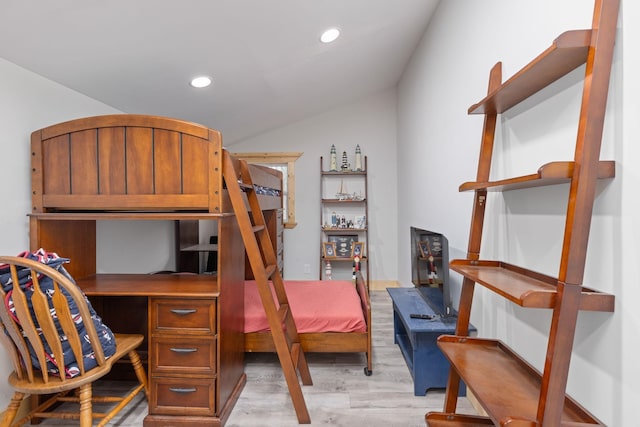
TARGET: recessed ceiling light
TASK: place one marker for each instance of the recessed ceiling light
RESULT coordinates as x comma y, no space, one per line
202,81
330,35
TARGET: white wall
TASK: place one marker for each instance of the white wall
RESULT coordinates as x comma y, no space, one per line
28,102
370,123
438,147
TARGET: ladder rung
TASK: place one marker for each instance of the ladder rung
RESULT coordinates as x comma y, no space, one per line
283,311
269,270
244,186
257,228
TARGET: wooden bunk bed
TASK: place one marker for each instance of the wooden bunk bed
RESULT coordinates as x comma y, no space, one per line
355,338
134,167
137,167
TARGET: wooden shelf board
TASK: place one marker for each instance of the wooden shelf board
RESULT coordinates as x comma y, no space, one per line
343,230
439,419
340,173
342,258
505,385
525,287
567,52
343,201
146,285
126,215
204,247
427,283
548,174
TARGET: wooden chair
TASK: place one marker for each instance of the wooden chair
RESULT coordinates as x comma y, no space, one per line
25,330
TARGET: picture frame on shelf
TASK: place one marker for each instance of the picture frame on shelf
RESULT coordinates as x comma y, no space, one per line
436,245
357,249
329,249
343,244
430,246
425,248
360,222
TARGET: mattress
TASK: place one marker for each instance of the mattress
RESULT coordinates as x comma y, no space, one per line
316,306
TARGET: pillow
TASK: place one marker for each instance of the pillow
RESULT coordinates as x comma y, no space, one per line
106,337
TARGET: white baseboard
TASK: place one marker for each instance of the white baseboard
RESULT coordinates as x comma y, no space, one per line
381,285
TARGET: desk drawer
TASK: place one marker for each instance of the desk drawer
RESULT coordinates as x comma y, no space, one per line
183,396
192,355
184,316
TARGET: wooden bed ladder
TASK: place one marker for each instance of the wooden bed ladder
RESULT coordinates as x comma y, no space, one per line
263,262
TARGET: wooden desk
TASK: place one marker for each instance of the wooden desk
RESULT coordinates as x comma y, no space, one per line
150,285
195,371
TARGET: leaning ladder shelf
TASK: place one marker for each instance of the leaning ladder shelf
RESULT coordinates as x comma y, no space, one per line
509,389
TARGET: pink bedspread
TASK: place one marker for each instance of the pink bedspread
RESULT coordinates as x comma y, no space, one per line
317,306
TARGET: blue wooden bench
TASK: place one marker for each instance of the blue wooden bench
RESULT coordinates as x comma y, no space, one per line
417,337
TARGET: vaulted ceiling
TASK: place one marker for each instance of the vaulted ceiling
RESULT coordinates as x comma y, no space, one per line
264,56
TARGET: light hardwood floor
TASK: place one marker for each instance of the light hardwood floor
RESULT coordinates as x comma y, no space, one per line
341,394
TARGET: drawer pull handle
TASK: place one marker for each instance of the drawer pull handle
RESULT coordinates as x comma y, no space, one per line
183,311
184,350
182,390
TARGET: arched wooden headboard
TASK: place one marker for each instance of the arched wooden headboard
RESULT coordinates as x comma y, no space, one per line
126,162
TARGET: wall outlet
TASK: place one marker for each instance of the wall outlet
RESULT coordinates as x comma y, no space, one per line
307,269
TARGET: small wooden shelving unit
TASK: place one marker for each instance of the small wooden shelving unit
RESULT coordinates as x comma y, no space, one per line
359,206
509,389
